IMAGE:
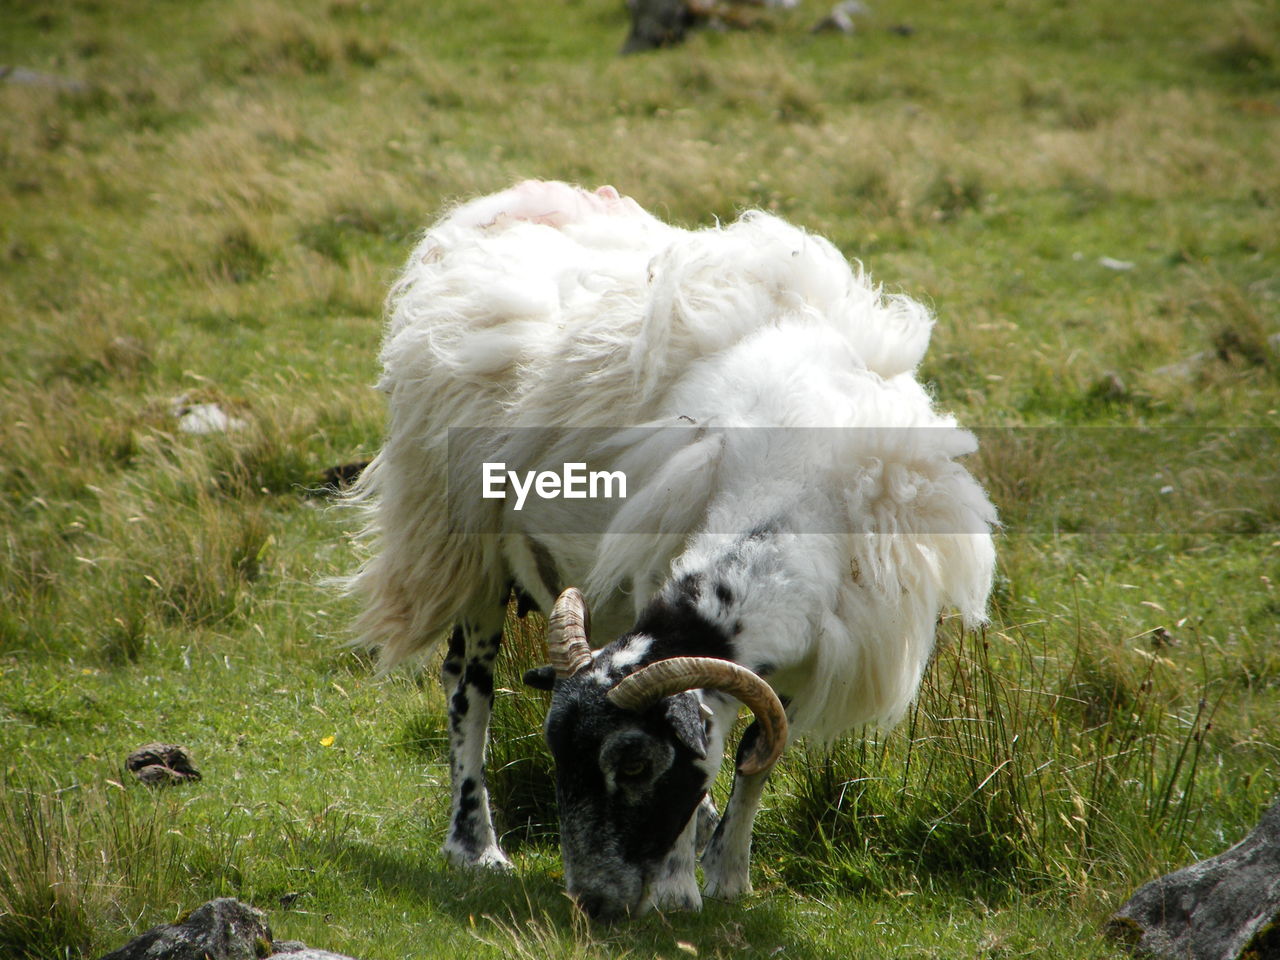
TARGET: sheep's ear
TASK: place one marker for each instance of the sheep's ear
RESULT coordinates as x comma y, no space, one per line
540,678
685,716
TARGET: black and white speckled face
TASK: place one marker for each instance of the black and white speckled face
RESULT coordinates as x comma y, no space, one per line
626,785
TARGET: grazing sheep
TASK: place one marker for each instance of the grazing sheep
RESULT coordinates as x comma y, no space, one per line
795,517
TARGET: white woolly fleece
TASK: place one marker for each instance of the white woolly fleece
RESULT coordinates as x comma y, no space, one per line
548,306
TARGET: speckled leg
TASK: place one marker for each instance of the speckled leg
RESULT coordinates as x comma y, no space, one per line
676,885
467,676
726,865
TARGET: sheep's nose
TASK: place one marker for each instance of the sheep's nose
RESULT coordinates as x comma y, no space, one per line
600,908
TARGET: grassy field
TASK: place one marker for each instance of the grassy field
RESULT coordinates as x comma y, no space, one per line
204,203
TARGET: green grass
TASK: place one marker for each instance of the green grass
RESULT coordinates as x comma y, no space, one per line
213,210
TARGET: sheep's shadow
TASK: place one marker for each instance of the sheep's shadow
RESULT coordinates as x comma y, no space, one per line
530,905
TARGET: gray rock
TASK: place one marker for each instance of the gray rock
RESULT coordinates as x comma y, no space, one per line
1224,908
1184,369
33,78
1111,263
658,23
224,929
293,950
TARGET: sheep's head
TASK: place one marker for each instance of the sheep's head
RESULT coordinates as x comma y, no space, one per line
631,758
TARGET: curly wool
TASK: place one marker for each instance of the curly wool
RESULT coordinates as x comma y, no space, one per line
549,306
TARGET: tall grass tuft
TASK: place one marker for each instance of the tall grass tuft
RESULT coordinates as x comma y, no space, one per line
43,881
78,859
1012,767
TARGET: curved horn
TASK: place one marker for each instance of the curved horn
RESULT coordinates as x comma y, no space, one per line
647,686
567,645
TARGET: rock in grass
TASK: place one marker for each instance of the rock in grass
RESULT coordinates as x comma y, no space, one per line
658,23
293,950
158,764
23,77
224,929
204,418
666,23
1224,908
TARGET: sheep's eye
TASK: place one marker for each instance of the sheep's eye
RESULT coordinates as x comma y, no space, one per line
632,768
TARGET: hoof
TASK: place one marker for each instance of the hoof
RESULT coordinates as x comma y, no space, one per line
678,891
683,899
490,859
728,888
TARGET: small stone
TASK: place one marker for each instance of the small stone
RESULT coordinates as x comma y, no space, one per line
1113,264
293,950
204,418
23,77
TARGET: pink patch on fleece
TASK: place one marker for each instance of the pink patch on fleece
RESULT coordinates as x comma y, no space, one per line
551,203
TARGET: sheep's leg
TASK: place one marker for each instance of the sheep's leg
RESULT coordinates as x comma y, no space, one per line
726,866
675,887
467,676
